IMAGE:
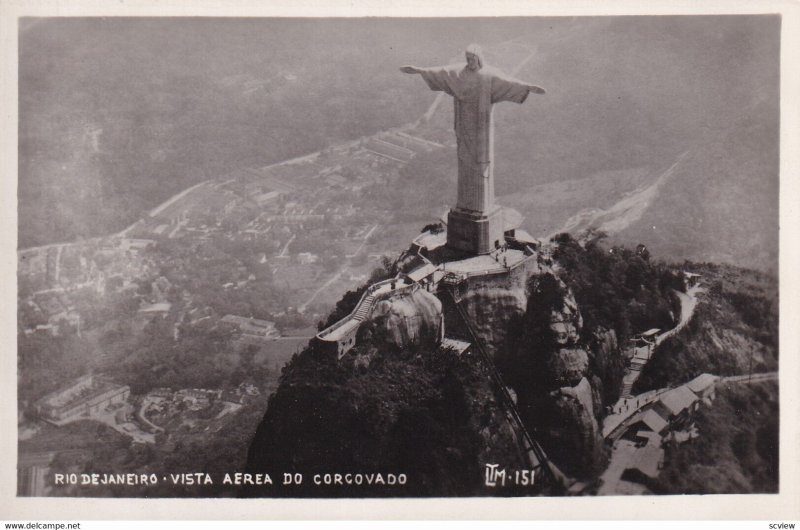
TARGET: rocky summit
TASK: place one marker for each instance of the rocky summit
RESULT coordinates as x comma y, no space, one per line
440,366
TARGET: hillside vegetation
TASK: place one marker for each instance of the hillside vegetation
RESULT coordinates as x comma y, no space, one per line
422,412
737,450
734,330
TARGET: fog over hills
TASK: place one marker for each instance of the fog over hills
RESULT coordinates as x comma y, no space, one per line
116,115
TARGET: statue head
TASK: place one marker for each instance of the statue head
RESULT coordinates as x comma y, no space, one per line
474,57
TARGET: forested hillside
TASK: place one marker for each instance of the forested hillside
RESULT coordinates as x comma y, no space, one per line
737,450
734,330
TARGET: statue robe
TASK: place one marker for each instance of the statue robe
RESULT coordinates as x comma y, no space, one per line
474,94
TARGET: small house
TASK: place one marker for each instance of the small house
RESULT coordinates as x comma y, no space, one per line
676,405
704,386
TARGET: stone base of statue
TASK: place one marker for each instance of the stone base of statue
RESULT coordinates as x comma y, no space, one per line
474,233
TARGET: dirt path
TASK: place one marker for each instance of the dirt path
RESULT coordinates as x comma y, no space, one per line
58,264
286,246
363,242
335,277
688,305
754,378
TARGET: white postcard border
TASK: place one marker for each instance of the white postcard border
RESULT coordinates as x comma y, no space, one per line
783,505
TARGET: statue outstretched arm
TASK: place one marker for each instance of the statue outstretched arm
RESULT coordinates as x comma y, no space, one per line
439,78
410,70
507,88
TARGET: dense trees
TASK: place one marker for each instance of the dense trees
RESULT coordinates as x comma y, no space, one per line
737,450
45,359
617,288
419,412
207,357
204,268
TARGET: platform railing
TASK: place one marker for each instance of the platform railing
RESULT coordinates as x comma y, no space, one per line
372,289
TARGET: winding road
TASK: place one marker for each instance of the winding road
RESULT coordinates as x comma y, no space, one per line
626,407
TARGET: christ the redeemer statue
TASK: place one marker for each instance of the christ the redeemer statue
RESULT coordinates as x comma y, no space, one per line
476,224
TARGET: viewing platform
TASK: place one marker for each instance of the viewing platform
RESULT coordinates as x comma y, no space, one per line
341,336
429,262
499,261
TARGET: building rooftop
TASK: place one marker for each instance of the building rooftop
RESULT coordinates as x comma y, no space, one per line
524,237
268,196
678,399
653,421
431,241
486,263
422,272
459,346
701,382
511,218
83,389
651,437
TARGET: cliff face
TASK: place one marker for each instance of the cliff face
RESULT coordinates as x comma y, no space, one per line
566,321
607,364
492,302
551,372
567,366
532,325
408,319
490,308
576,436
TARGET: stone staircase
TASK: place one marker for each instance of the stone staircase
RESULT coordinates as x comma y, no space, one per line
636,365
626,389
364,308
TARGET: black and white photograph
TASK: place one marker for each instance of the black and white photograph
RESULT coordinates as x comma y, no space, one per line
391,257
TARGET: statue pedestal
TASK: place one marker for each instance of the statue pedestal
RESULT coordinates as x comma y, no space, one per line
475,233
